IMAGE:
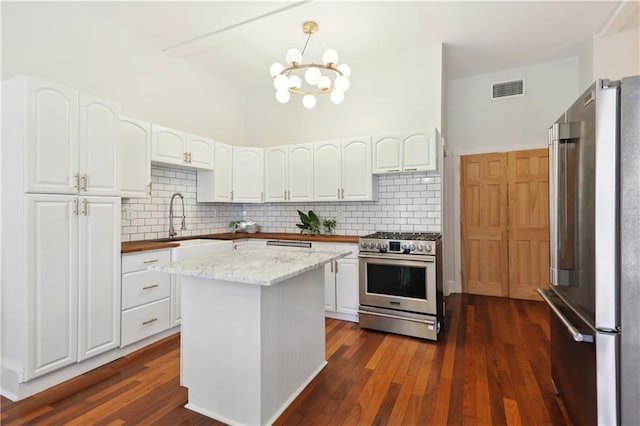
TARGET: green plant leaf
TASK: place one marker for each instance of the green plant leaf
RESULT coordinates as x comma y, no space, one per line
313,217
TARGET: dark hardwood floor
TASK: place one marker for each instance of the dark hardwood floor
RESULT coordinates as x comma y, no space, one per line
490,367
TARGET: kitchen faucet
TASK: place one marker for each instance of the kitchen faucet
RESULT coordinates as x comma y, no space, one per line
172,231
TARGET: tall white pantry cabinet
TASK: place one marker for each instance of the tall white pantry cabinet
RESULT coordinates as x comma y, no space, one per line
60,228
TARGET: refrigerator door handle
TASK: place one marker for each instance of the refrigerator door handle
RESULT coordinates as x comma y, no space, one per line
577,336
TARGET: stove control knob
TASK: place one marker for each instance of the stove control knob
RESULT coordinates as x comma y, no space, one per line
378,246
428,249
420,247
405,247
384,246
363,244
371,245
413,247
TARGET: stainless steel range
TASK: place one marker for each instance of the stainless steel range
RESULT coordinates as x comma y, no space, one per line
401,283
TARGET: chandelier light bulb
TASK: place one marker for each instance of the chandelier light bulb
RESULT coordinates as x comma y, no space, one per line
312,75
283,96
281,82
337,97
324,83
330,56
276,69
342,83
309,101
294,56
295,82
344,69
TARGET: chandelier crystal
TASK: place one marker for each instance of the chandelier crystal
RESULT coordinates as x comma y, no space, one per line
310,79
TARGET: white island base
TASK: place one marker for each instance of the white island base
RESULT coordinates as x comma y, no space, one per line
248,350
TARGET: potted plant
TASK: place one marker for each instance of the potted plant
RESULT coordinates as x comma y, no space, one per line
310,223
329,225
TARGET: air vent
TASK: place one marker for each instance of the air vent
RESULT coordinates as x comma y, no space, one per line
507,89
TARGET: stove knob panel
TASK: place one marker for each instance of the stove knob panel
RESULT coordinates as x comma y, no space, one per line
371,245
420,247
413,247
363,244
428,249
378,246
385,246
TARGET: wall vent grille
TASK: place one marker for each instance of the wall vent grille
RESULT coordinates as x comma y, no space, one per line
507,89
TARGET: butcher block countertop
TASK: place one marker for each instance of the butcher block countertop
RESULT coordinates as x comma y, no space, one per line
135,246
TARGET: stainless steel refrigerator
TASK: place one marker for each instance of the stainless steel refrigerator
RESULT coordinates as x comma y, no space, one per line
594,297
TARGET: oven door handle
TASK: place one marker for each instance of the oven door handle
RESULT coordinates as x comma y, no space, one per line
415,258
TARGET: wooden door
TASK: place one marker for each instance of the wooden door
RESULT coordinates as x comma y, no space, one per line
528,223
484,218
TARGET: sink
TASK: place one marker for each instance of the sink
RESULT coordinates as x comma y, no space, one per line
189,249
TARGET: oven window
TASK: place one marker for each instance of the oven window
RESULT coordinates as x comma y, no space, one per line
396,280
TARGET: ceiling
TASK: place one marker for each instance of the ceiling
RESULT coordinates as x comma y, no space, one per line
239,40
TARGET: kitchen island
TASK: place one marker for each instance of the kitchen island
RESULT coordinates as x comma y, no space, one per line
252,330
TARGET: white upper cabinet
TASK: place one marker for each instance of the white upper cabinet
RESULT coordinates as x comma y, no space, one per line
135,158
387,153
276,173
419,150
289,173
70,141
169,146
200,152
216,185
405,152
301,168
99,146
327,157
357,180
248,175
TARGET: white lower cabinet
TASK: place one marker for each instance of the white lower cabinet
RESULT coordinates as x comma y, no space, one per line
341,283
146,296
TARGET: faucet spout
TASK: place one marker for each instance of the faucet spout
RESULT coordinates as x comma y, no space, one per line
172,230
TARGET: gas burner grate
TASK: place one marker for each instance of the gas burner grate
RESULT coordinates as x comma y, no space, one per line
418,236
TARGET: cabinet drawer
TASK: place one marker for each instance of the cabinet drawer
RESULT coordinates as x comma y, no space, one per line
145,320
143,287
140,261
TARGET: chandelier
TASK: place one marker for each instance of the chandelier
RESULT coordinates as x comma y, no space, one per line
287,79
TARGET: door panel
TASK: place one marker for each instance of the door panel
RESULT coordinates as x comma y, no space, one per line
528,223
483,223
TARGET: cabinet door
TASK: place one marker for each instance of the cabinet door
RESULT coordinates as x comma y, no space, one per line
51,138
347,275
200,152
387,153
176,300
135,158
419,150
167,146
99,275
52,283
301,172
248,175
275,173
99,146
357,180
327,170
329,287
223,172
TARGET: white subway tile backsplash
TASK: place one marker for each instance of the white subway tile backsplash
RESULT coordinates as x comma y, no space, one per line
408,203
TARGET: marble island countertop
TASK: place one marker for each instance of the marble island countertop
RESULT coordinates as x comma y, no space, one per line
254,265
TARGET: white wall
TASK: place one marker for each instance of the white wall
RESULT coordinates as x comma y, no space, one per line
392,94
64,43
479,125
617,55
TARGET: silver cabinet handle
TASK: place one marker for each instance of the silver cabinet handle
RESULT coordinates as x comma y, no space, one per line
149,321
231,196
410,169
262,196
149,287
150,261
184,157
289,195
85,207
75,206
189,157
85,182
338,193
76,178
577,336
342,193
149,191
393,170
336,267
331,266
285,194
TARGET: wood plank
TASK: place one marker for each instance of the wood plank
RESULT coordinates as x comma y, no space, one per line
490,366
